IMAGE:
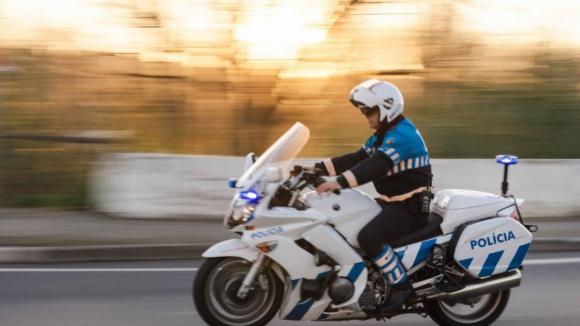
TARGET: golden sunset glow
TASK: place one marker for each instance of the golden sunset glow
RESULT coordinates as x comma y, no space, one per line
227,77
523,21
267,30
276,32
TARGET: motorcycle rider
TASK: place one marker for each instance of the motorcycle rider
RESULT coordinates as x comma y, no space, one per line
395,158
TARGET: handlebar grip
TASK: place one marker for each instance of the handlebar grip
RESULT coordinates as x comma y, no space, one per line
320,181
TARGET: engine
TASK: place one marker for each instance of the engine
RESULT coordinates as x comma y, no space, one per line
375,292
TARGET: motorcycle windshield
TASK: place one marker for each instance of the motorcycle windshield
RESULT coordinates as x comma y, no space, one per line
281,154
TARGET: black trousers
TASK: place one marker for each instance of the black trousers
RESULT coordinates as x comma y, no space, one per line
395,220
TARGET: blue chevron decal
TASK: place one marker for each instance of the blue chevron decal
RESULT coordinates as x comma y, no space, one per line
466,263
356,271
424,251
519,257
490,263
301,309
303,305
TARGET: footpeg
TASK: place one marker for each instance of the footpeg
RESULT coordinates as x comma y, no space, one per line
438,260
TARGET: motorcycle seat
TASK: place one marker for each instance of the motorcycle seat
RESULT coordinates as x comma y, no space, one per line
430,230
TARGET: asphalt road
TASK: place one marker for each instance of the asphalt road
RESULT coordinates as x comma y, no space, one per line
158,293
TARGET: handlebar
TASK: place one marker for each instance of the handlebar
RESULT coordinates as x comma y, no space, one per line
288,193
312,178
321,180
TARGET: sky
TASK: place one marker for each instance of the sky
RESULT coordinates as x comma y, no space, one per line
265,29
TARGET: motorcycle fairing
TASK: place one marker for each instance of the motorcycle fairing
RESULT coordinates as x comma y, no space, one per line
300,265
231,248
413,255
349,212
296,308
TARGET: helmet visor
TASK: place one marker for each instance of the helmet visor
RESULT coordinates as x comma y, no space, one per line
366,111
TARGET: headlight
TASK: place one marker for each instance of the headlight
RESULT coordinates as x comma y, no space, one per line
248,213
242,208
240,214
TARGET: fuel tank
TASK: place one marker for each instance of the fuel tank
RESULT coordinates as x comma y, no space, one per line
348,211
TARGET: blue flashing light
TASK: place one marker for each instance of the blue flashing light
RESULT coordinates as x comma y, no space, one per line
250,195
506,159
232,182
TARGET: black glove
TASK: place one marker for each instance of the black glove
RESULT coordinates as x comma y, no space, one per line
322,167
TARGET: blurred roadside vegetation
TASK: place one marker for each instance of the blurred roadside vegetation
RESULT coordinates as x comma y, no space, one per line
463,111
480,78
157,108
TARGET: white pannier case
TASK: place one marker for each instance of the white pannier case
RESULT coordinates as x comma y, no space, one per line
492,246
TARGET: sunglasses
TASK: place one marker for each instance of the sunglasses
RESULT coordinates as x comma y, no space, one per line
365,110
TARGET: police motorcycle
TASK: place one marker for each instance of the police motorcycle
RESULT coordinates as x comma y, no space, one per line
299,255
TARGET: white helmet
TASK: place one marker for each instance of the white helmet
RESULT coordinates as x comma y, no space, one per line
385,95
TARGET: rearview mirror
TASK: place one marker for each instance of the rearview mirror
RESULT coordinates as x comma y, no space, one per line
250,159
273,174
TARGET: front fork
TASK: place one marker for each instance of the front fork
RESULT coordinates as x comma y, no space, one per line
251,276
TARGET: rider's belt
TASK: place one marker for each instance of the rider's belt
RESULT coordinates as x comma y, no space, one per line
404,196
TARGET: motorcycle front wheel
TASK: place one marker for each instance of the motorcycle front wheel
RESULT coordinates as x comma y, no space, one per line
215,291
482,312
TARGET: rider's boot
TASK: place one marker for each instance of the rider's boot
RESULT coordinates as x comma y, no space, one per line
392,270
400,294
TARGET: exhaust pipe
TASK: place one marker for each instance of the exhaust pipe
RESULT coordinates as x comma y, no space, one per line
481,286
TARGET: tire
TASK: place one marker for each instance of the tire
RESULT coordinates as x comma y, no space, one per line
215,294
483,313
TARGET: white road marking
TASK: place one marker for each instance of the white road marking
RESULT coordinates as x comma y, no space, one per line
552,261
527,262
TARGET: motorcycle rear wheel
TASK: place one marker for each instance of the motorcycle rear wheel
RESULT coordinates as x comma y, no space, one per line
484,312
215,293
